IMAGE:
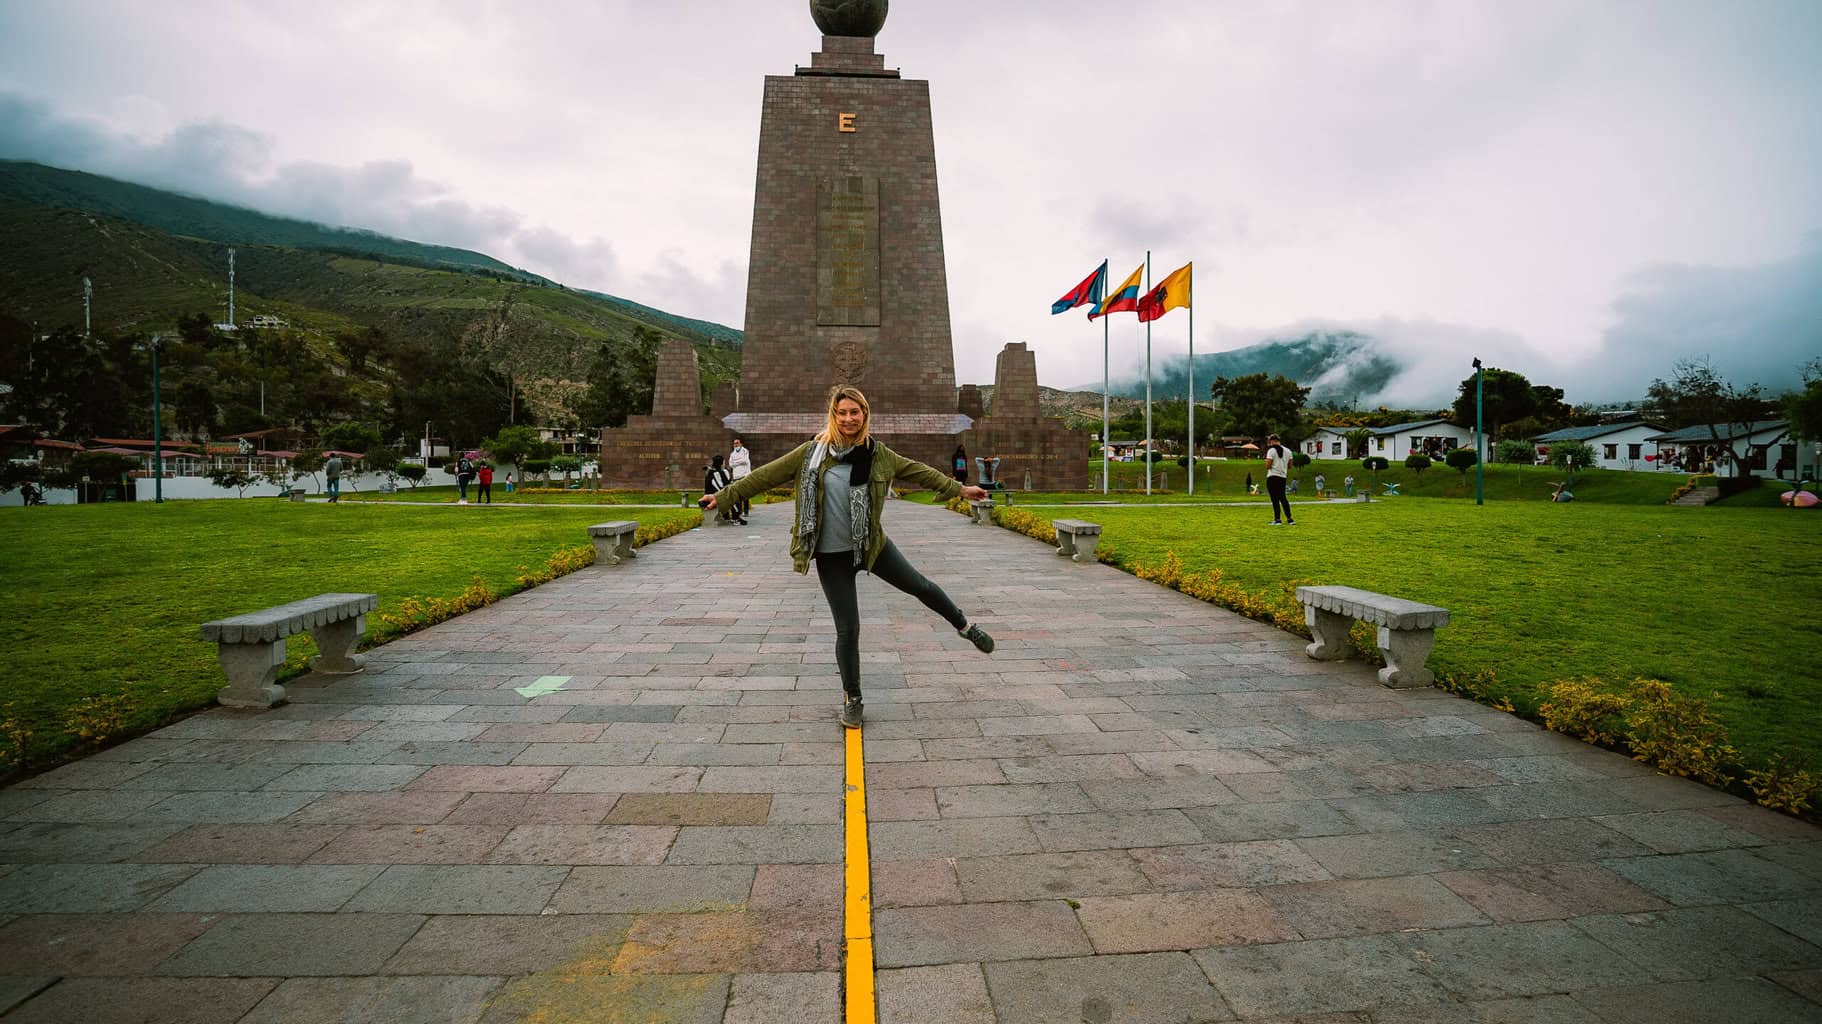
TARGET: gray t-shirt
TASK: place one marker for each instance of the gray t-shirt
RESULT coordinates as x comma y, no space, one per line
834,532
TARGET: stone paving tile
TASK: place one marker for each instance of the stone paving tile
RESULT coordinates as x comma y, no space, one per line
1541,892
902,805
575,944
1802,918
16,989
90,805
810,998
1742,999
604,779
73,842
1243,822
531,809
90,774
268,888
1105,830
1553,1009
1071,768
183,778
583,844
408,808
1680,831
96,944
1394,853
87,888
294,945
1326,910
1477,963
731,942
411,844
804,809
1147,922
345,778
487,779
1701,942
716,754
1011,799
756,844
1722,876
943,994
392,1000
1319,976
128,1001
1153,988
1270,862
651,999
1545,842
976,932
930,774
459,889
240,844
450,752
954,837
798,887
1048,876
691,809
227,808
662,888
915,883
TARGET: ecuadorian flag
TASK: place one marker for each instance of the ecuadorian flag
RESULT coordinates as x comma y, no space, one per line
1122,299
1171,293
1088,293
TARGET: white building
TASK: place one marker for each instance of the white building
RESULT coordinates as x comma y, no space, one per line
1767,446
1434,438
1630,445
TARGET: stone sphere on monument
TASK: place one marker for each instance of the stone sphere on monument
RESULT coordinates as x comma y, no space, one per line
849,17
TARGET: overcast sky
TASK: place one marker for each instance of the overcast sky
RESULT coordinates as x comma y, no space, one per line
1580,190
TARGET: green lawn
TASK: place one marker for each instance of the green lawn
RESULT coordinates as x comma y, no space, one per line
102,600
448,494
1226,480
1716,601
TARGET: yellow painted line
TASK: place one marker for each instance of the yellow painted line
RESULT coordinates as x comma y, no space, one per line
857,927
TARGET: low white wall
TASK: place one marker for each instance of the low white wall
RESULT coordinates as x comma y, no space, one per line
51,497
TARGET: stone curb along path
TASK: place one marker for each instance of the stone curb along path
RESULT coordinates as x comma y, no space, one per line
1139,808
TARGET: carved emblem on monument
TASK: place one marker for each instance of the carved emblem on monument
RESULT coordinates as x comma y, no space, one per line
850,361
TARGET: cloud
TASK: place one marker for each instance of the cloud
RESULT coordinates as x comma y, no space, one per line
1755,324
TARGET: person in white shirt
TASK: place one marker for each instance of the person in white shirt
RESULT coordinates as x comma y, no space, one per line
1277,471
740,463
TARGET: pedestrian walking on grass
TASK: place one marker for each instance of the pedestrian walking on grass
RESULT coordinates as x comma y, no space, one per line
1277,470
840,477
333,470
484,476
740,463
464,473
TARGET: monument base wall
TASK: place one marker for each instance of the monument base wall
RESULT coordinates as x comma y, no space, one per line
1055,456
662,452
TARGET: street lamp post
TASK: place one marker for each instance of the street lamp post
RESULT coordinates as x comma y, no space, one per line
157,424
1480,444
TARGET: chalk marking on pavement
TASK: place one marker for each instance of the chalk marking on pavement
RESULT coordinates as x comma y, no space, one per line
541,686
858,924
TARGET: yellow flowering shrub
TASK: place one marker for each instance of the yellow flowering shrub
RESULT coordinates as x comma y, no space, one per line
15,740
1677,734
1584,708
92,720
1782,785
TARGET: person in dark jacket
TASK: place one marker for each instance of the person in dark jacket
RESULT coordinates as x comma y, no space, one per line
841,477
715,479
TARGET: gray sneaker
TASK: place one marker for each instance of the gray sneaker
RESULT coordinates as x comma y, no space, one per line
978,637
851,714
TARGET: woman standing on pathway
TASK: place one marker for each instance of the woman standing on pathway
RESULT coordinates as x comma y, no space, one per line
841,477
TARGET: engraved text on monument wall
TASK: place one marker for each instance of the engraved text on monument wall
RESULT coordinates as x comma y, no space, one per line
847,252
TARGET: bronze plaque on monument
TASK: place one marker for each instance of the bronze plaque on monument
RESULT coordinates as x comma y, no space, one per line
847,252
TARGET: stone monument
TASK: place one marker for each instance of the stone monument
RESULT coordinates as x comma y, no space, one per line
671,447
846,282
1035,448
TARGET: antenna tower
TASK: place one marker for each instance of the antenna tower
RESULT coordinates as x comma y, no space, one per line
230,289
88,293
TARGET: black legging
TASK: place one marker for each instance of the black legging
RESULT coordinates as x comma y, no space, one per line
836,572
1274,485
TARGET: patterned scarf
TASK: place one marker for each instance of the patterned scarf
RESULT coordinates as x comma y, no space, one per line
809,501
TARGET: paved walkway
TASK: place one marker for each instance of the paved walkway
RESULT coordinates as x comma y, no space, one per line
1140,808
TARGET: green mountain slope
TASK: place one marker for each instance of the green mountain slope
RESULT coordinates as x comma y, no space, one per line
188,217
1363,369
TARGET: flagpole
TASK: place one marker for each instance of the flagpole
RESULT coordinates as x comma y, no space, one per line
1104,337
1192,382
1148,380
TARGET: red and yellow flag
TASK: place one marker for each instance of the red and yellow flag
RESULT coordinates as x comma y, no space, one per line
1171,293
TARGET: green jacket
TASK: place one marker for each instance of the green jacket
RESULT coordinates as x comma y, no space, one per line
887,466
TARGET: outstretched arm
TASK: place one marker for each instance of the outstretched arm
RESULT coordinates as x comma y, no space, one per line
942,483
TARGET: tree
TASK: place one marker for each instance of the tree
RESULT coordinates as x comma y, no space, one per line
1571,455
412,472
566,464
1519,452
307,463
1695,395
1300,459
1506,396
1357,441
517,444
536,467
16,474
233,477
1461,460
1417,463
1804,408
382,460
351,437
101,469
1259,404
620,380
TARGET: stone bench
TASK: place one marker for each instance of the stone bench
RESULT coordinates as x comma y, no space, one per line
983,512
613,541
1407,629
1076,538
253,645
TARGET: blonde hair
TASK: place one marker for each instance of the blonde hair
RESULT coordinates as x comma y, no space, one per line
831,431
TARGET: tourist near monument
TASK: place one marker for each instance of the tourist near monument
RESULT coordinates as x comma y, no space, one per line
842,476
